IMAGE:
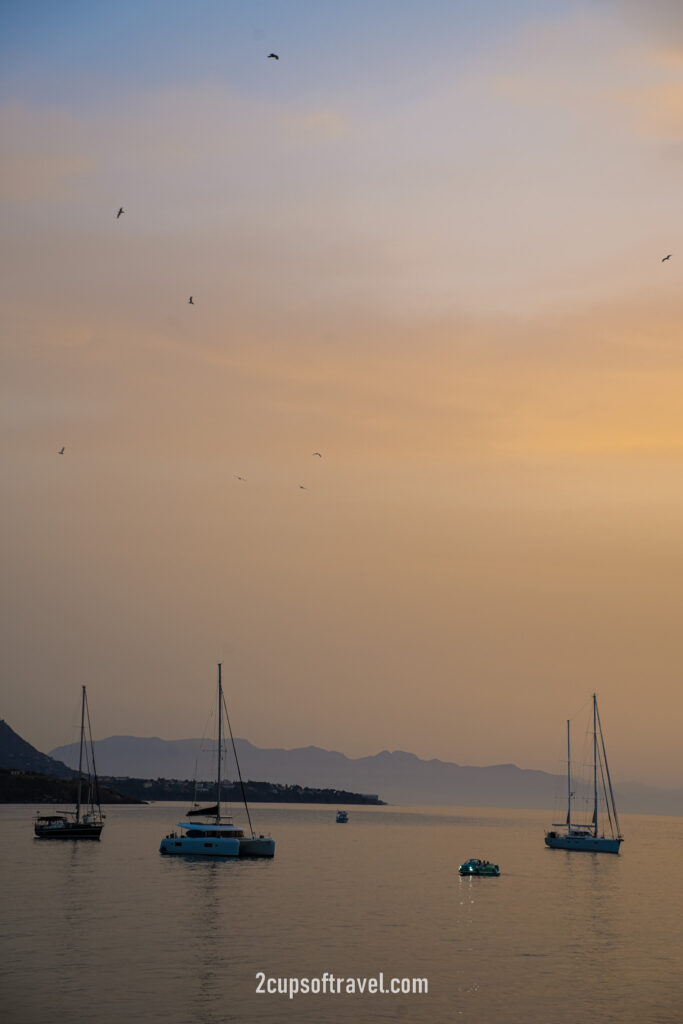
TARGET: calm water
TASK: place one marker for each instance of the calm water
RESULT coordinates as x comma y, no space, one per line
111,932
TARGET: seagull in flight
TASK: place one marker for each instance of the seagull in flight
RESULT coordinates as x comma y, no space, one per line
317,453
191,301
242,478
302,488
667,257
121,210
61,451
273,55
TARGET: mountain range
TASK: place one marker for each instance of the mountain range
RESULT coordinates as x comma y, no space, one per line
28,776
396,776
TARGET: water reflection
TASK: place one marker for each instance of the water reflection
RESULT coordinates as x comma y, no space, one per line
109,932
213,928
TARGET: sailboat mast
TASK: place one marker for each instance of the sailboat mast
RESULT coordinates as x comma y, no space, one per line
609,779
595,766
220,743
80,759
569,779
93,781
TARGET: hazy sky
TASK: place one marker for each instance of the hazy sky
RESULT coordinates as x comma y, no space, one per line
426,243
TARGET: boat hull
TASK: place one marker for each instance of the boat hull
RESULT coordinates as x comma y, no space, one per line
479,868
258,846
201,846
590,844
480,874
69,831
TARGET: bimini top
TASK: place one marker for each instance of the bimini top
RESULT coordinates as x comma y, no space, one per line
199,826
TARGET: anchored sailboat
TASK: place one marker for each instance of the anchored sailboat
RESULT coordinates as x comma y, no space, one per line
588,836
87,821
216,835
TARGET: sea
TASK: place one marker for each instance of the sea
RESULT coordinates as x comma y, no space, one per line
111,931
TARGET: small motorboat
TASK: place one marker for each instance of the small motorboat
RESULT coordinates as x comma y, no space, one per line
342,817
474,866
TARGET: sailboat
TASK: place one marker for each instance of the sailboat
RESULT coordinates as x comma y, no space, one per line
217,835
86,821
589,836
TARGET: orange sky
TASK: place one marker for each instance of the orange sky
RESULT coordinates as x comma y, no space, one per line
450,286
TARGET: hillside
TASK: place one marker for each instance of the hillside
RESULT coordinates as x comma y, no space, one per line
16,753
27,776
399,776
18,787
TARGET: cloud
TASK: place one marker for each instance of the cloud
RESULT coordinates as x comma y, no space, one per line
319,124
662,20
40,158
657,109
628,79
156,151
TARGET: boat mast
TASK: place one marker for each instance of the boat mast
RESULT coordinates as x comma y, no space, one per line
569,780
93,781
595,766
609,779
220,744
80,759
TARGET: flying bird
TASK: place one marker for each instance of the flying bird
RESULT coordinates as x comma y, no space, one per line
61,451
667,257
302,488
243,478
273,55
191,301
317,453
121,210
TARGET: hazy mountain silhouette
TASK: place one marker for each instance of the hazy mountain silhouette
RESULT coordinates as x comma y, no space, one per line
16,753
396,776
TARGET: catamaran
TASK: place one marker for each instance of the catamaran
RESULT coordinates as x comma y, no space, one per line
589,836
217,835
87,820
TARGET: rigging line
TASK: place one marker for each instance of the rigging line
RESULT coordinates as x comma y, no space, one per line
194,794
580,711
609,778
209,718
205,747
239,773
92,754
604,789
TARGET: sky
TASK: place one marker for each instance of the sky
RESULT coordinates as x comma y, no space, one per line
427,243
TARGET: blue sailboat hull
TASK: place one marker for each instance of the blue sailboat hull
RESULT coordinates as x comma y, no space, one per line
593,844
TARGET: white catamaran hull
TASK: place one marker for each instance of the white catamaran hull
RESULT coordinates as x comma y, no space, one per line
257,846
201,846
594,844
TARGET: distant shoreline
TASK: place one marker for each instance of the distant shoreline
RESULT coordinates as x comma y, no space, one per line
24,787
255,792
20,787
